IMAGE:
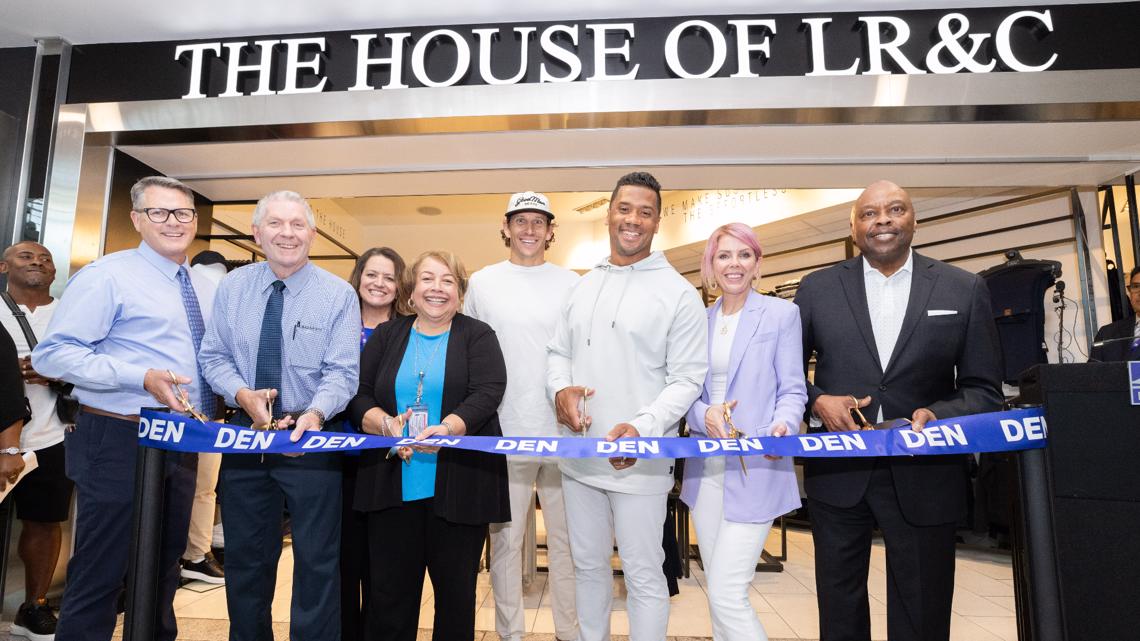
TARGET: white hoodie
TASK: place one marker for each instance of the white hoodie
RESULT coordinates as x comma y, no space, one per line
637,335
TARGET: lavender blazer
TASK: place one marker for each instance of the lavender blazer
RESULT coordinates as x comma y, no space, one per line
766,377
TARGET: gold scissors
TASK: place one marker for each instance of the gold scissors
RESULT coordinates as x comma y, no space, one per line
272,424
734,433
184,398
864,424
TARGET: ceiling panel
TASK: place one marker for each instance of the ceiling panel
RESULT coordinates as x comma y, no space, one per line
708,145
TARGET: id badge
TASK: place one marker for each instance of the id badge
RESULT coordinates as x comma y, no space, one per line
419,419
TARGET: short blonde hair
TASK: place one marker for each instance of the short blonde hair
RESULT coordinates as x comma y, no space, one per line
454,265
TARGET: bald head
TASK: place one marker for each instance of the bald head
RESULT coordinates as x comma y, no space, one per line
25,245
883,224
29,266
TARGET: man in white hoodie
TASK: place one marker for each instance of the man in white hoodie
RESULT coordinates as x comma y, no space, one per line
627,359
521,298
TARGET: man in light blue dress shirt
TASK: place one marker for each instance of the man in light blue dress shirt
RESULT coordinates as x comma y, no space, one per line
312,343
122,327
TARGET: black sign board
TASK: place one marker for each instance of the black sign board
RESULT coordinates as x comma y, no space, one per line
980,40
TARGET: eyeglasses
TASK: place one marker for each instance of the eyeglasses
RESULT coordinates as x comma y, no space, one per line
1133,289
161,215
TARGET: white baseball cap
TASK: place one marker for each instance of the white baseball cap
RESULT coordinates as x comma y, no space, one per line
529,201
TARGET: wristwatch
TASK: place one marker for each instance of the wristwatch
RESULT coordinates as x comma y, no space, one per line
319,414
11,451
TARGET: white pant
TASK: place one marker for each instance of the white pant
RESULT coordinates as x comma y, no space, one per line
595,517
729,552
201,532
523,475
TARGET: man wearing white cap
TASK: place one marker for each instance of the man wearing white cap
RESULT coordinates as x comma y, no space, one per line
521,298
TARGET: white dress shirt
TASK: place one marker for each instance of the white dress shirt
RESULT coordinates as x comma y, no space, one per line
887,298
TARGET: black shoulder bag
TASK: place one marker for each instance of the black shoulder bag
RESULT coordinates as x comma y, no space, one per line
66,405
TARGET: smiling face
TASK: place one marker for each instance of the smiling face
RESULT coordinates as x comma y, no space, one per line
633,219
378,282
436,296
284,235
883,224
528,233
28,266
735,265
168,239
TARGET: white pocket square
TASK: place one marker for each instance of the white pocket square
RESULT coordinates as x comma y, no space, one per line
941,312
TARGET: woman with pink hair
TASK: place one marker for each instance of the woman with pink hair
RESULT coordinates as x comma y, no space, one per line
754,387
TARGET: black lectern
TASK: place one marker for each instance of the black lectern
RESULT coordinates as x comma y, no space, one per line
1076,539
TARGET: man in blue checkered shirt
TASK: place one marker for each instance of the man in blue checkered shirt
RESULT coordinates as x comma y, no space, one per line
283,348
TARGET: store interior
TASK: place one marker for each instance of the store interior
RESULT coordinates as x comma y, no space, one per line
980,189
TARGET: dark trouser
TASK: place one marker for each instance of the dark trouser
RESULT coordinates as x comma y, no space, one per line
402,542
257,491
354,583
920,568
101,455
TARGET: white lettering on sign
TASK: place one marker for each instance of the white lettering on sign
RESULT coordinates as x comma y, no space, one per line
935,436
229,437
731,445
263,66
565,56
527,445
486,38
332,442
1005,48
602,50
815,28
462,58
627,446
951,48
745,46
159,429
838,442
294,64
365,62
1032,428
719,46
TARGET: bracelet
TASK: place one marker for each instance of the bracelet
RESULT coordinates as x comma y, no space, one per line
386,424
11,451
447,425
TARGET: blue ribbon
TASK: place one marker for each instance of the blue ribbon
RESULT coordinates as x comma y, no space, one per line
1013,430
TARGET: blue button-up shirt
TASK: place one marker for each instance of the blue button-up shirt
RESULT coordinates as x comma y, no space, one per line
320,330
120,316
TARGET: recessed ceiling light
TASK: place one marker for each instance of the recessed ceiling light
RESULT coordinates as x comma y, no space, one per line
429,211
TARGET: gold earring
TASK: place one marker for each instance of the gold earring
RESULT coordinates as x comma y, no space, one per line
411,303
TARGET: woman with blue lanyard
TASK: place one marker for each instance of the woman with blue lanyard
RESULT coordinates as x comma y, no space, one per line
382,288
436,373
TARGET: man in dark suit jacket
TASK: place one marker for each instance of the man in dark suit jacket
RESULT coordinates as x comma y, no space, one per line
1116,348
898,335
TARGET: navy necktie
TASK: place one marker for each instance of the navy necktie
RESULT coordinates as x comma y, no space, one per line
207,404
268,372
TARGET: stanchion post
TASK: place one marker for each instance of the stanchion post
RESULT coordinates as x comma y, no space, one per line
146,541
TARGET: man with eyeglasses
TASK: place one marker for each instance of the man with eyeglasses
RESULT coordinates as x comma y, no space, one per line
126,334
521,298
1113,338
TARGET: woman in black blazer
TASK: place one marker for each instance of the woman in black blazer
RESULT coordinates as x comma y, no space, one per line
429,508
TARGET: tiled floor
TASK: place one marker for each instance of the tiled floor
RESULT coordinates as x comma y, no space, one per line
983,600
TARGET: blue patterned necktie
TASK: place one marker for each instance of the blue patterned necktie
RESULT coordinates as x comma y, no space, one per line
207,404
268,372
